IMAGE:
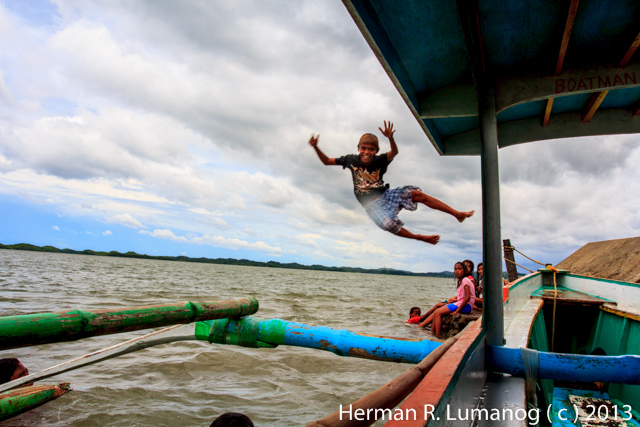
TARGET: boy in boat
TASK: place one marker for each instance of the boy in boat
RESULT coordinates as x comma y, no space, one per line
381,203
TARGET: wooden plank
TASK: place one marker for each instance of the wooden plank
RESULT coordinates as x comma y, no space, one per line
431,389
596,98
514,90
573,9
512,271
592,105
566,295
632,49
517,335
626,313
547,112
382,401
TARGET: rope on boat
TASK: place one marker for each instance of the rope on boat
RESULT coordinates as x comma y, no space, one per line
530,259
512,262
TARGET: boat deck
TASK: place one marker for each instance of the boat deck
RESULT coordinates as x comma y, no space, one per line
568,296
575,408
504,401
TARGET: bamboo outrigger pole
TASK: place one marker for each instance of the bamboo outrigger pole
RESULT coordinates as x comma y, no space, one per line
258,333
34,329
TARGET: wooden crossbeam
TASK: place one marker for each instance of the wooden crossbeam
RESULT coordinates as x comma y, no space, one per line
547,112
568,26
596,98
630,52
592,105
623,63
573,10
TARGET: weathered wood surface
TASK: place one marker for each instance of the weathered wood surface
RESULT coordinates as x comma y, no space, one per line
16,402
567,296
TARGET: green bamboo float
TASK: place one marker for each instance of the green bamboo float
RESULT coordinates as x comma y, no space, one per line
257,333
34,329
14,403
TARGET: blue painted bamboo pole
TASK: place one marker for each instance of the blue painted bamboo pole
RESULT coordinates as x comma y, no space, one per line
256,332
568,367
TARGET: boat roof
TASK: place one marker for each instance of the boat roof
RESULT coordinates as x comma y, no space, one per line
560,68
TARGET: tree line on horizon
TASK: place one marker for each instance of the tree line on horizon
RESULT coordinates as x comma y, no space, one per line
225,261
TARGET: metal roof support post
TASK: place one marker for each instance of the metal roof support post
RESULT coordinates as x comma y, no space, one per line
491,236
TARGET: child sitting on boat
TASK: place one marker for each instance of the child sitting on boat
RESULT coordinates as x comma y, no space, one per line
465,299
414,315
381,203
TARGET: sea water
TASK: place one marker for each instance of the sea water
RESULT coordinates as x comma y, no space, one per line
191,383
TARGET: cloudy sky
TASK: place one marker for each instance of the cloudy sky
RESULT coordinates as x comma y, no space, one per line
172,128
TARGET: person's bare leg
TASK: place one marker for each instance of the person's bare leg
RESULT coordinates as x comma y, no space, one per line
437,319
434,308
437,324
427,321
409,235
433,203
436,328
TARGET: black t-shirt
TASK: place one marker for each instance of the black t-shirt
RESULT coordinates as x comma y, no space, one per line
367,180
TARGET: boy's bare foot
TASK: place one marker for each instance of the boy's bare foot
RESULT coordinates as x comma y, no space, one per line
429,239
461,216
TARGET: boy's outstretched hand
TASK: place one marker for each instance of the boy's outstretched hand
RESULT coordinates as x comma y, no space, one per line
313,141
388,129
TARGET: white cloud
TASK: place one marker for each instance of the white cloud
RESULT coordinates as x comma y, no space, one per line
107,233
126,220
55,227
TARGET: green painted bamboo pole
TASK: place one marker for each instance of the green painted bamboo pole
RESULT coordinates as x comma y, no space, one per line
34,329
13,403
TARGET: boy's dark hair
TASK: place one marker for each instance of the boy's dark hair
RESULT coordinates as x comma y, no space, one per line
372,139
232,419
413,308
7,367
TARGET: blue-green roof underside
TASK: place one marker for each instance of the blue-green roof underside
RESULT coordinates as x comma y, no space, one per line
422,46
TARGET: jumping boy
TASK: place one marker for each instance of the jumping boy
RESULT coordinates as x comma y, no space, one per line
381,203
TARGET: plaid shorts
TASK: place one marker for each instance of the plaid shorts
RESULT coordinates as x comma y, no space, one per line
384,210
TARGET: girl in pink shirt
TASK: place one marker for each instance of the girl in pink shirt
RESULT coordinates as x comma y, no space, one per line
465,298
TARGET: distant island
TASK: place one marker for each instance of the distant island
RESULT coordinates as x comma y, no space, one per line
227,261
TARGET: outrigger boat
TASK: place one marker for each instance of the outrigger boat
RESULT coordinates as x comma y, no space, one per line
554,347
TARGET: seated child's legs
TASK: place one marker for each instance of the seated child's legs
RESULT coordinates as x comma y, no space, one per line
465,310
434,308
437,318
